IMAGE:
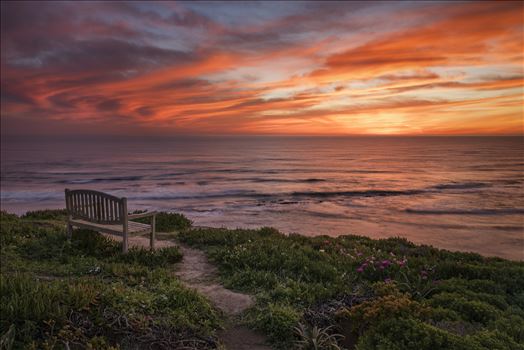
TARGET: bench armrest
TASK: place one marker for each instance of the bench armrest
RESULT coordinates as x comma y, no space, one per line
141,215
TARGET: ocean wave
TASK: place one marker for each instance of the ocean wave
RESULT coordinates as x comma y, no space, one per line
505,211
74,182
100,180
364,193
206,195
25,196
460,185
309,180
275,196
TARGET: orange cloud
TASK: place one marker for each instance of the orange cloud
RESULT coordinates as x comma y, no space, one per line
474,34
459,72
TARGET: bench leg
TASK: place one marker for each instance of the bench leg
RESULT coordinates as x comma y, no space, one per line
125,242
152,239
69,231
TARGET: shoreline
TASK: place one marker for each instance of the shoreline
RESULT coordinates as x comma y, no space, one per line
442,243
514,256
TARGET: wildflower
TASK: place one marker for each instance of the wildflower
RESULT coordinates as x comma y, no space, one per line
387,280
386,263
359,254
322,250
360,269
401,263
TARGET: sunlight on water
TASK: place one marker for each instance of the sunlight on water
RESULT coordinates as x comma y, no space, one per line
463,193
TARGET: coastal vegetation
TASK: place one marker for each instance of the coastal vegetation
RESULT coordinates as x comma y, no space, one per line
57,294
371,294
349,292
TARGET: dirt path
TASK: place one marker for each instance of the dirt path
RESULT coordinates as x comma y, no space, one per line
199,274
196,272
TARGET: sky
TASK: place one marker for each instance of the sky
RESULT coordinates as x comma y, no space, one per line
268,68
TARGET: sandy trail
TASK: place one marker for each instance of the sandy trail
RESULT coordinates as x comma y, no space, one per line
196,272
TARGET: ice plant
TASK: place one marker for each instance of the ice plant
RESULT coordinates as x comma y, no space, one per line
386,263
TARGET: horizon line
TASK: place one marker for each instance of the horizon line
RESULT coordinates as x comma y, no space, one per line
204,135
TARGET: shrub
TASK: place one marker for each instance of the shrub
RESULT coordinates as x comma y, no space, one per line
276,320
512,325
47,214
474,285
494,340
28,303
363,316
217,237
157,258
168,222
410,334
13,230
470,310
94,244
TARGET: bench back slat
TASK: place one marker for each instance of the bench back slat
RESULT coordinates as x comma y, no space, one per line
95,206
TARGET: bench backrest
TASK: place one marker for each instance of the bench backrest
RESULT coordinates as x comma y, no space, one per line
96,206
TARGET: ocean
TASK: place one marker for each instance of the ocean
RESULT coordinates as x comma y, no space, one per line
457,193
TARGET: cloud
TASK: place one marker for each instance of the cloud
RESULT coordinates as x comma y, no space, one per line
291,68
472,34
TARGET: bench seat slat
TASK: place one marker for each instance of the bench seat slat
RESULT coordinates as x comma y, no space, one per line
135,228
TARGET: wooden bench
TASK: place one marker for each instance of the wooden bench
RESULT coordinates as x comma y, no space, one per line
103,212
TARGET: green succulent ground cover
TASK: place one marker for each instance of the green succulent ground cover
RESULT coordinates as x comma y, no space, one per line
57,294
311,292
378,294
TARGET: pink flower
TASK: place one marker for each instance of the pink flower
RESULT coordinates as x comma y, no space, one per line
360,269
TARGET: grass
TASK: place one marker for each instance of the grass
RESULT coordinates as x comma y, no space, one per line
168,222
349,292
57,294
376,294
